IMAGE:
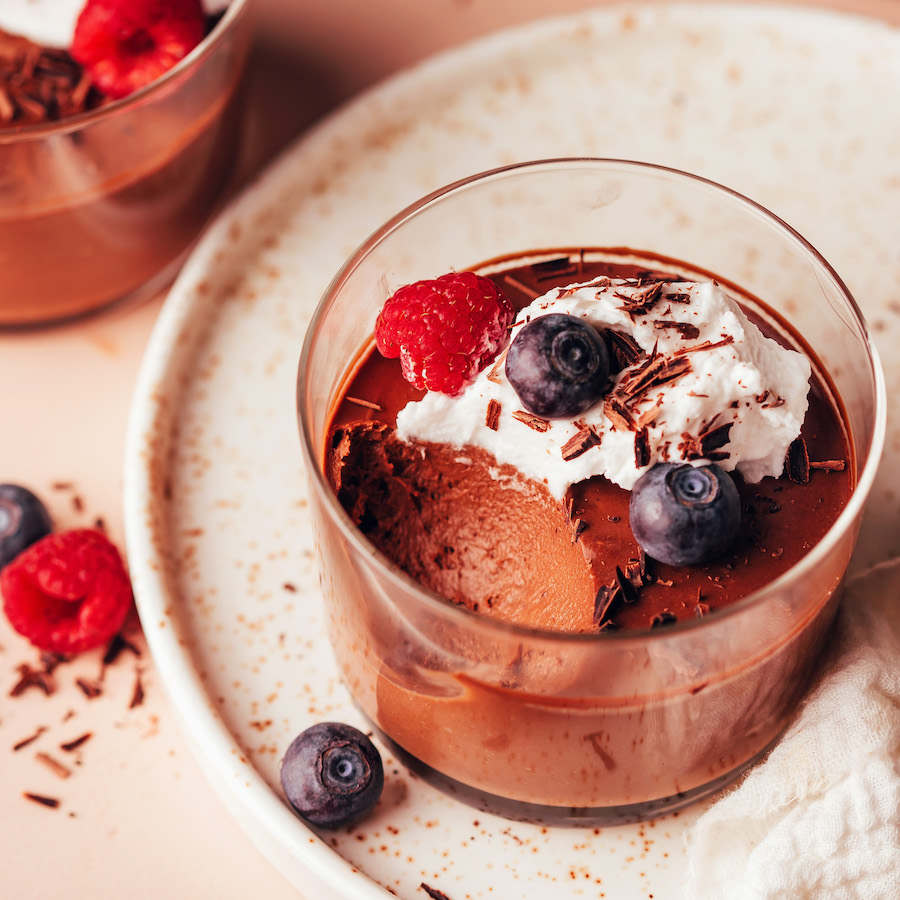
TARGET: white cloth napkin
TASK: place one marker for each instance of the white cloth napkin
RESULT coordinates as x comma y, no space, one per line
820,817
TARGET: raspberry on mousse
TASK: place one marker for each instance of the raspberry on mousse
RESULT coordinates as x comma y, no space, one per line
445,330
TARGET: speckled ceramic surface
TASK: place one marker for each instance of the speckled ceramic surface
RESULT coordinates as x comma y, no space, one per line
786,105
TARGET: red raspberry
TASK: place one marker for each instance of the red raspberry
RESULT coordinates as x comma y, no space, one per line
445,330
67,592
125,44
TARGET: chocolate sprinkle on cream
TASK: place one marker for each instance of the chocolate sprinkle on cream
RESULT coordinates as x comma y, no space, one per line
625,349
492,416
685,329
642,301
532,421
579,443
641,448
494,374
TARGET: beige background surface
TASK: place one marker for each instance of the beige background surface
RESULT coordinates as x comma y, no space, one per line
136,817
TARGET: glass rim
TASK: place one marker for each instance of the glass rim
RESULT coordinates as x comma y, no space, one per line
466,617
234,13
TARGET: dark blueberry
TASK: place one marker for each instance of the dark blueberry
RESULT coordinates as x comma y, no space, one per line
332,775
23,520
558,365
684,515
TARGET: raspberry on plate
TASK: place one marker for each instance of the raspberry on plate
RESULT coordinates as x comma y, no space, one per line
445,330
125,44
67,592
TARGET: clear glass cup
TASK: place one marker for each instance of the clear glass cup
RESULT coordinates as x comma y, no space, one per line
575,728
102,207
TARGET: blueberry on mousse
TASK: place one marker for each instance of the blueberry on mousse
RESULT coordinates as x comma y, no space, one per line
685,515
332,775
558,365
23,520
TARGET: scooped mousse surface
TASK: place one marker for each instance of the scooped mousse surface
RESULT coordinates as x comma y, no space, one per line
545,554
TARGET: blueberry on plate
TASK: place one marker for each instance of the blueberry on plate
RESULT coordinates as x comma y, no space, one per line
23,520
332,775
684,515
558,365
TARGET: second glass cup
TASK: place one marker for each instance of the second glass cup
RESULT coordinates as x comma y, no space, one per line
582,728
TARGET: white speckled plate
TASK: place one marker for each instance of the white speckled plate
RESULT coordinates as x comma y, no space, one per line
787,105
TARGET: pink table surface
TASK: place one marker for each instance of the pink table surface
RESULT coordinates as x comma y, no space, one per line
136,817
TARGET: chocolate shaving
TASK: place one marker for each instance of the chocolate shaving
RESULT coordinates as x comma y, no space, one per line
636,569
367,404
116,646
701,609
642,301
798,461
649,415
550,268
520,286
29,740
626,351
137,697
532,421
641,448
685,329
90,689
653,373
56,767
579,443
69,746
40,84
603,601
434,893
829,465
663,618
52,802
713,438
706,345
626,586
494,374
39,678
618,414
492,416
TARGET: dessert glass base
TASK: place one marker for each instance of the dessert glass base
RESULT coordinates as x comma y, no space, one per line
569,728
560,816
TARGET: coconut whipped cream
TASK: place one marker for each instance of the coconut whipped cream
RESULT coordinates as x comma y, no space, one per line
51,23
700,382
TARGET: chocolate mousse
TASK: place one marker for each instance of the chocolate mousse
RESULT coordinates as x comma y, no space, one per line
100,200
482,534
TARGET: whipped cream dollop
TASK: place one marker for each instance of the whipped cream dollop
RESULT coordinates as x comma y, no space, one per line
51,23
699,381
